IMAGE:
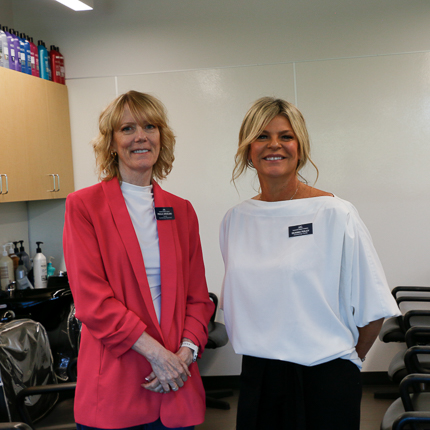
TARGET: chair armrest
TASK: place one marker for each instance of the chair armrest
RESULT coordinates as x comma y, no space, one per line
407,382
214,298
414,313
41,389
411,360
411,418
395,290
14,426
416,335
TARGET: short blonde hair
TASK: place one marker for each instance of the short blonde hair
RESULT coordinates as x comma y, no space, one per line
256,119
143,107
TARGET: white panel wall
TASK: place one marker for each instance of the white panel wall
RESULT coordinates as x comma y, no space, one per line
368,117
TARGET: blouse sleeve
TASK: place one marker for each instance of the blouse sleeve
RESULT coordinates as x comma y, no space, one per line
362,273
105,317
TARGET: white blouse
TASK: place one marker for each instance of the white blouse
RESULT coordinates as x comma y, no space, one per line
140,205
300,277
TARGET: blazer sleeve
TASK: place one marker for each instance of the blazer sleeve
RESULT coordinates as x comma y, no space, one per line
106,318
199,306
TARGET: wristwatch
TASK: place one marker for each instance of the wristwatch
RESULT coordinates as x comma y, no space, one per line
193,347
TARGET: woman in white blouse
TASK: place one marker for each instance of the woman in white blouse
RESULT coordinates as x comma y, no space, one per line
304,292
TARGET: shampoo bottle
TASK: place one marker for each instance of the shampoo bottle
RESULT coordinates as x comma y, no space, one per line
6,270
4,49
13,256
16,50
50,269
9,44
62,68
27,54
25,257
34,58
43,60
39,268
21,277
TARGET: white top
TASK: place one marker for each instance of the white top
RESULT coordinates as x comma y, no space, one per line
140,205
300,277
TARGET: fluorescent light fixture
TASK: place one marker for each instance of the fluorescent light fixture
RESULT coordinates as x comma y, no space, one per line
78,5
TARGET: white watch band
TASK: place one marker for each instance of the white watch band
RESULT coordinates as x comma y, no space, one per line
193,347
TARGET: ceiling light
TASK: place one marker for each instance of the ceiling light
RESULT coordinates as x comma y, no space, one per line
78,5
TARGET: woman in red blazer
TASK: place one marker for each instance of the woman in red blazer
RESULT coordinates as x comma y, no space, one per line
136,271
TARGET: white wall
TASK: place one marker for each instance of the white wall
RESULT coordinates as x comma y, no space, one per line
207,61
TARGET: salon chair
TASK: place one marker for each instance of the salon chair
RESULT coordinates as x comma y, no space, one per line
26,371
412,409
217,337
408,298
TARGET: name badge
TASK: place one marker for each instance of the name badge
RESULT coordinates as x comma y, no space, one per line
164,214
300,230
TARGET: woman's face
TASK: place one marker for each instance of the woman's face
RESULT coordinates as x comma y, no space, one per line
275,152
138,147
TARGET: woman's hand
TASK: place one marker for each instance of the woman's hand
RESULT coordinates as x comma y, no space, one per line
170,371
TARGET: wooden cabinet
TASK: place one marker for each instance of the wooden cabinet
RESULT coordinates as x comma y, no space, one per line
35,142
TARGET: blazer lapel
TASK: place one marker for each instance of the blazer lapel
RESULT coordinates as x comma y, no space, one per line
169,255
125,228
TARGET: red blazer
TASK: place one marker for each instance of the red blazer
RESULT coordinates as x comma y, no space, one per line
113,300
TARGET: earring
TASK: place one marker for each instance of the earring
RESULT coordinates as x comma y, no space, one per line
113,154
250,164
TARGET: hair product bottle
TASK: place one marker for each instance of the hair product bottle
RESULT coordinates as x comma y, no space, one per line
6,270
39,268
26,60
62,67
21,277
34,58
4,49
43,60
13,256
9,44
25,257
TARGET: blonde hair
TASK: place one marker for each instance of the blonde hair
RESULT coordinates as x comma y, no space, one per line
143,107
256,119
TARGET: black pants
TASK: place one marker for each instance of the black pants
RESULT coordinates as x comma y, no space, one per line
286,396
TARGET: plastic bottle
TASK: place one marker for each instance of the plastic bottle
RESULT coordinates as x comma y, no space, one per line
34,58
9,45
50,269
16,50
4,49
25,257
22,281
6,270
12,56
55,65
40,269
26,58
62,67
13,256
43,60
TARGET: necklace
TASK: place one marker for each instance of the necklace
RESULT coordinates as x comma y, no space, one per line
292,197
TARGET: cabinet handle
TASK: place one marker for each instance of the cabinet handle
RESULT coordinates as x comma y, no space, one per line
54,189
58,182
1,184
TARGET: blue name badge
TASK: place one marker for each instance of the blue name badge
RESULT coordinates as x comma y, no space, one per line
300,230
164,214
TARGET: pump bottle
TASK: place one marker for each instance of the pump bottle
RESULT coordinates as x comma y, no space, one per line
6,270
21,277
39,268
13,256
25,257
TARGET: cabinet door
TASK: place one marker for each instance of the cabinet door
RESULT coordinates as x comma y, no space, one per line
59,142
13,143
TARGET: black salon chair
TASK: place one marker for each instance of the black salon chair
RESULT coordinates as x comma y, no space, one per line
26,371
393,329
217,338
413,406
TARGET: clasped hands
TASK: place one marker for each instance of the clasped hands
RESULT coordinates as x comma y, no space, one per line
169,370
